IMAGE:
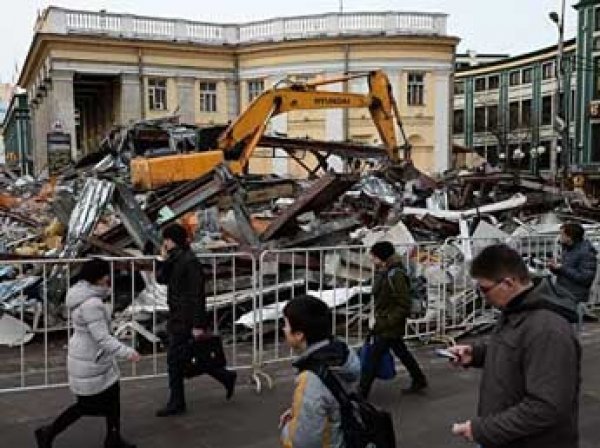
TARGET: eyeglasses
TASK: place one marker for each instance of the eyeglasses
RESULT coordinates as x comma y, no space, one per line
485,290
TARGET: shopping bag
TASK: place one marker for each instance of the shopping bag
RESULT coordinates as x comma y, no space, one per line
386,370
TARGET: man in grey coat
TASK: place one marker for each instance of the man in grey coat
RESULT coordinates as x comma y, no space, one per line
529,392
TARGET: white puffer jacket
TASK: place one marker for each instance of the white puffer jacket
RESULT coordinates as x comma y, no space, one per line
92,364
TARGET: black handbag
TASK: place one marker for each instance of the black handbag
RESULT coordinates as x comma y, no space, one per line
205,353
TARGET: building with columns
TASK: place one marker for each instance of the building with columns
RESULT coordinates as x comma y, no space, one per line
89,71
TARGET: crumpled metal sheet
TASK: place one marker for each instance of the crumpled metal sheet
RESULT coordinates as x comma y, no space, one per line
93,200
10,289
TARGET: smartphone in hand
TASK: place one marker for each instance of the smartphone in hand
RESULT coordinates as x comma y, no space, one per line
445,353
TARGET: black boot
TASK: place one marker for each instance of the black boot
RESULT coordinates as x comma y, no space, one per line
114,440
170,410
230,385
416,386
44,437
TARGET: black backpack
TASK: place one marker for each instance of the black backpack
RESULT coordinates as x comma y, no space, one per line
364,425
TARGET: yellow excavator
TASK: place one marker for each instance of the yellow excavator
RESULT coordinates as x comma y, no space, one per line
243,135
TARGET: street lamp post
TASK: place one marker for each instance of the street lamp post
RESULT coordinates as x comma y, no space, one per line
536,153
559,124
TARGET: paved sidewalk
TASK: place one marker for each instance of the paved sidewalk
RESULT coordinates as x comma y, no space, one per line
250,420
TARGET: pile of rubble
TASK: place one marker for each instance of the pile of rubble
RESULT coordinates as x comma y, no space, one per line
92,208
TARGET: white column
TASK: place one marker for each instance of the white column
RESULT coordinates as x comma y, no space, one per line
334,127
279,124
443,107
130,108
186,98
63,106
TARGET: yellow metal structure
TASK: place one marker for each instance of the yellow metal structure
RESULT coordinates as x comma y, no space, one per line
249,127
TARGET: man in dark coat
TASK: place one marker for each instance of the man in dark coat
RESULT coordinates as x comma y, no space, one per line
577,268
529,391
391,292
182,272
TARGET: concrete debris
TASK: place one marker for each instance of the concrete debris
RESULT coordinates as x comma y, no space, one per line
94,208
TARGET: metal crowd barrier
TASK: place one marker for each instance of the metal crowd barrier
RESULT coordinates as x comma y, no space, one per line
245,299
139,305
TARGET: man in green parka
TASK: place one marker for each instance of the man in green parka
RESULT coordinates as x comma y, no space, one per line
391,292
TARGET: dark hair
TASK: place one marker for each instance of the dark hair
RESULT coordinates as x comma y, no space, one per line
574,231
310,316
177,234
497,262
383,250
94,270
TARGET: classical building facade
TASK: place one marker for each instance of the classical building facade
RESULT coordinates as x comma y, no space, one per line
89,71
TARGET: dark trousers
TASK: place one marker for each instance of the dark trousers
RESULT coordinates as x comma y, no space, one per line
178,354
399,348
105,404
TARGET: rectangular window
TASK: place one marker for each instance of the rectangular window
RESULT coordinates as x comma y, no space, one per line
546,110
514,78
480,119
595,154
494,82
548,70
543,160
459,121
416,89
513,115
459,87
526,113
208,96
157,94
527,76
492,118
480,85
597,19
255,88
596,93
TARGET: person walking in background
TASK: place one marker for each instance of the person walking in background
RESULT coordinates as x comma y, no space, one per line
182,272
529,391
92,353
576,271
314,420
391,291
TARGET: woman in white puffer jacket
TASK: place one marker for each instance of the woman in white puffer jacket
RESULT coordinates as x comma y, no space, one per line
92,358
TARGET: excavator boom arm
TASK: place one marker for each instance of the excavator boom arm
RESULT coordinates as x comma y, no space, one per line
250,125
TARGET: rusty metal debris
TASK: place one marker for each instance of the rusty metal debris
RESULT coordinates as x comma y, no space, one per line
92,208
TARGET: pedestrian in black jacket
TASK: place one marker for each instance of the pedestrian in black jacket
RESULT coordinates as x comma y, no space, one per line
182,272
577,268
529,391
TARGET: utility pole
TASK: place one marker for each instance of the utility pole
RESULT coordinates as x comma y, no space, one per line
341,6
560,124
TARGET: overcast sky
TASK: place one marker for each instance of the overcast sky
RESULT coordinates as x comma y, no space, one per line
493,26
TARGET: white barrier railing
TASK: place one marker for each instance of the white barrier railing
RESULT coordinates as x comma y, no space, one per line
245,298
64,21
140,311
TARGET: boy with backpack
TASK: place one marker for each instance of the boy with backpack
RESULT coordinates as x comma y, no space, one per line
324,414
392,297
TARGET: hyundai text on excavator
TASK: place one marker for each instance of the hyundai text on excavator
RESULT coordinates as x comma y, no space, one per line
237,142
